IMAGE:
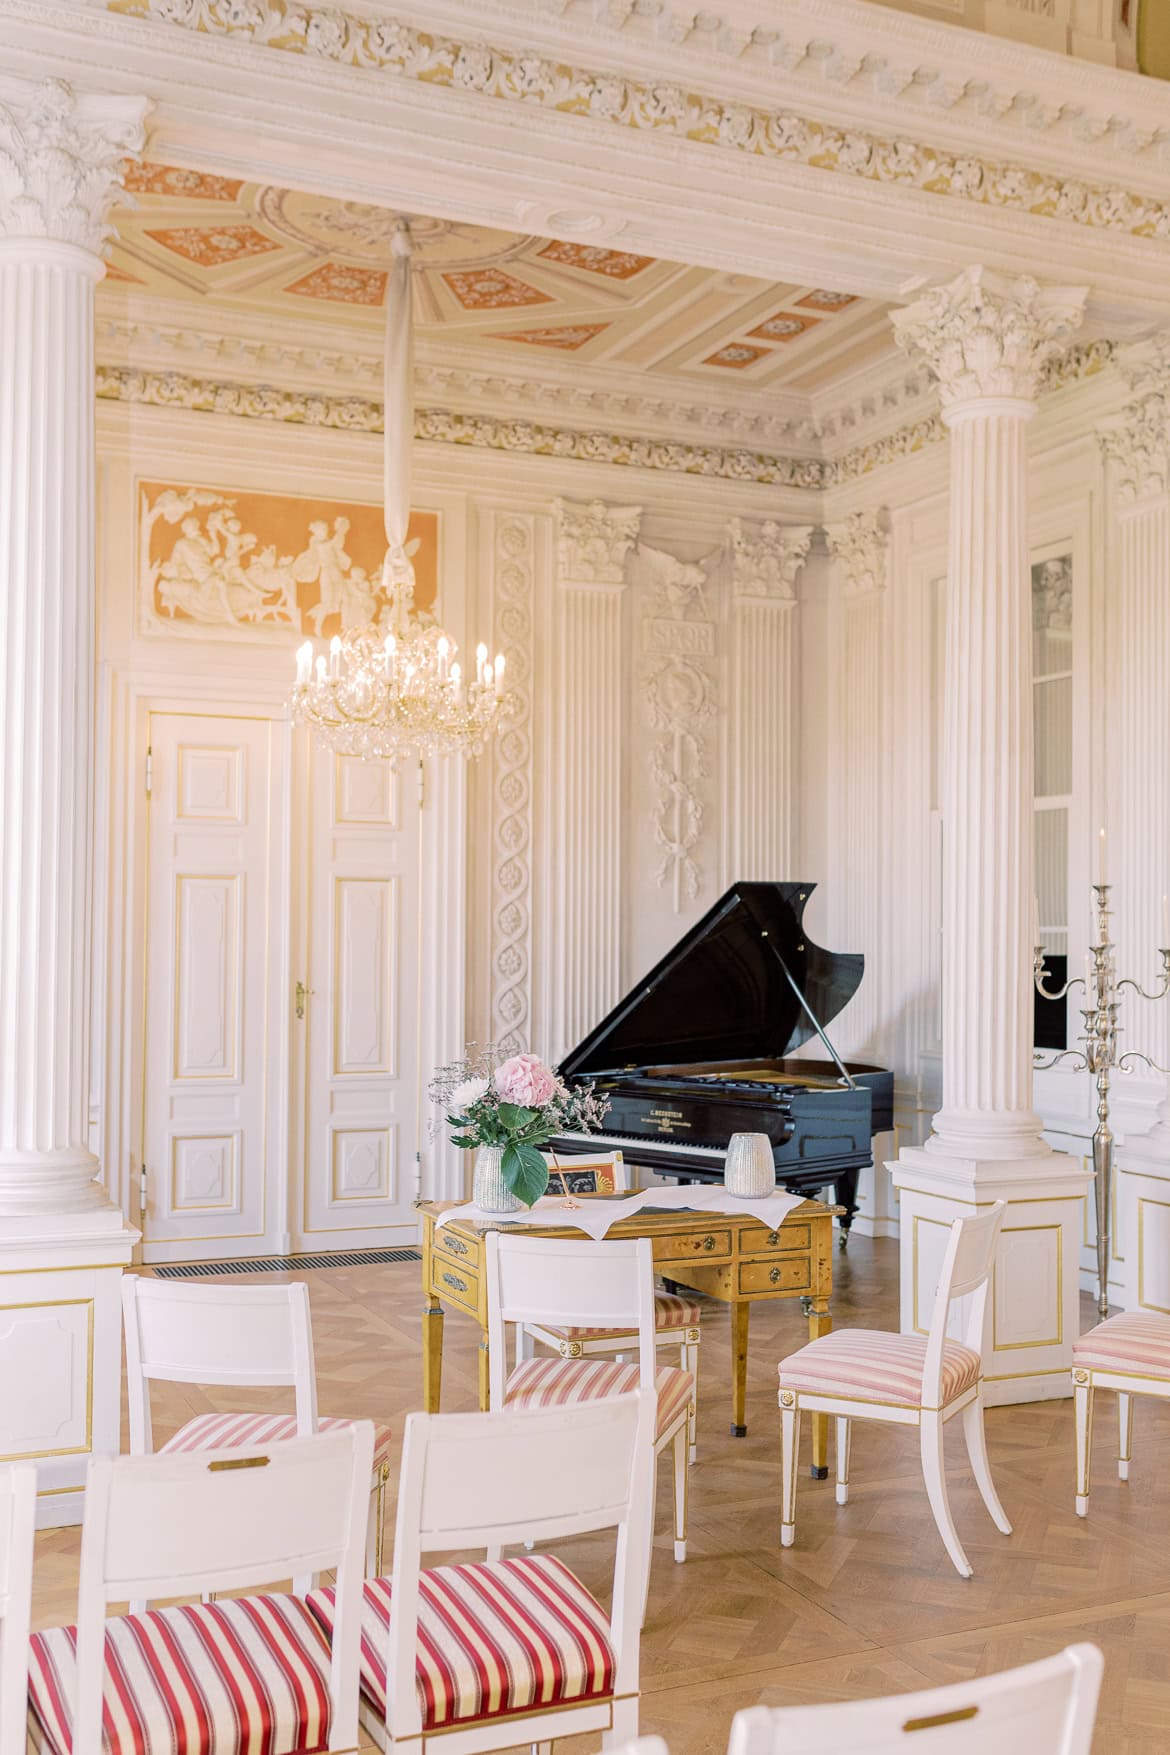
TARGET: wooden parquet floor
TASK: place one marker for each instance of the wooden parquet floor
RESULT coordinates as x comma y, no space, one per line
867,1601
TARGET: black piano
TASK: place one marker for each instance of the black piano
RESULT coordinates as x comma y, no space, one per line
704,1047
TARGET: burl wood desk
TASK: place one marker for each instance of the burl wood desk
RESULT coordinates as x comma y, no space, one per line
736,1260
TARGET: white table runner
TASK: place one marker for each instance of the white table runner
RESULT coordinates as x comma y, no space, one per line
596,1217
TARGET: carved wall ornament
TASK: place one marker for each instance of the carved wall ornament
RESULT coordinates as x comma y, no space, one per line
1052,595
984,334
62,159
593,540
511,948
860,544
766,562
679,692
1138,444
351,39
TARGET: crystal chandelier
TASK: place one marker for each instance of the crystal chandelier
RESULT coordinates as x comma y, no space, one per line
396,684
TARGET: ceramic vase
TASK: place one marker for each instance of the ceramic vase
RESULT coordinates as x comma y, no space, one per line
749,1170
489,1192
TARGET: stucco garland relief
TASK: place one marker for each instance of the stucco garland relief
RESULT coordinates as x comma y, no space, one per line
679,692
511,999
391,46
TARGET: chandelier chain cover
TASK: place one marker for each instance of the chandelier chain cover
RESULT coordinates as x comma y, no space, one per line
396,684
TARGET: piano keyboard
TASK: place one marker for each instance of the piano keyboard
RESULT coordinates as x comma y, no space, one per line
637,1145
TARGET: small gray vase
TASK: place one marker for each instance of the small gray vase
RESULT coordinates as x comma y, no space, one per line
489,1192
749,1170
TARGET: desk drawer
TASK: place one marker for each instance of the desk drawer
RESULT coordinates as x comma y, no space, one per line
755,1239
701,1246
788,1273
457,1249
456,1285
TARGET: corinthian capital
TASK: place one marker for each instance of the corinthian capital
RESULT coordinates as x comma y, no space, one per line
593,540
61,158
766,562
860,544
1137,441
986,335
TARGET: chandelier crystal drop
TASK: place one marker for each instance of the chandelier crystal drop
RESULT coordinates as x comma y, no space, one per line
396,684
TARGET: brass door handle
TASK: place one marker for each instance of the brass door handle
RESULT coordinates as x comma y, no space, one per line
302,994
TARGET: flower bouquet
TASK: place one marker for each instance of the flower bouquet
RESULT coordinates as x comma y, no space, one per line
511,1108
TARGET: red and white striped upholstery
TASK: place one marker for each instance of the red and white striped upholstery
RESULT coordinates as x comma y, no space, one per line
494,1639
870,1365
670,1313
226,1431
246,1674
1136,1341
552,1383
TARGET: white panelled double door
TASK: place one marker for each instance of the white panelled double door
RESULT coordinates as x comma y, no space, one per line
281,1015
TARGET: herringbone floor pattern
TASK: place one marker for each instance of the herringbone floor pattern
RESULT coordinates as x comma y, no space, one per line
867,1601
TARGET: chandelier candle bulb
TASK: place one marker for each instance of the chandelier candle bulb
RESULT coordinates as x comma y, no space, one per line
1101,878
321,669
1035,921
1165,945
499,673
335,656
305,662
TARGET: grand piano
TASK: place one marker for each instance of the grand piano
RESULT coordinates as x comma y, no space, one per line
705,1046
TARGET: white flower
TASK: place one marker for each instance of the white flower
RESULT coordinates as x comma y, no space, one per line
464,1095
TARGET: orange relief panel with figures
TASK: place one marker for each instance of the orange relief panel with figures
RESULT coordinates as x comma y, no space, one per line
229,559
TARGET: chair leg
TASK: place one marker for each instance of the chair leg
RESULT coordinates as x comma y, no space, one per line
625,1724
843,1432
681,1468
1124,1432
1083,1415
690,1362
789,1450
376,1529
930,1441
976,1438
525,1345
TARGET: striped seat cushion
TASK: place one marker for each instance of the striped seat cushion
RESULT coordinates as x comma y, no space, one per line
493,1639
232,1431
552,1383
247,1674
671,1313
1137,1341
871,1365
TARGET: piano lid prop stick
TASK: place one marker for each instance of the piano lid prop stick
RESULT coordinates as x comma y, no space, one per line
568,1200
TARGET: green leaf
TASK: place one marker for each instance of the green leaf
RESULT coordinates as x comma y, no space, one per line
525,1172
515,1117
464,1140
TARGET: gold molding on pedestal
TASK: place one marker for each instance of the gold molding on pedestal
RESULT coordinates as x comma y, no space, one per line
388,45
1145,1200
1014,1346
62,1304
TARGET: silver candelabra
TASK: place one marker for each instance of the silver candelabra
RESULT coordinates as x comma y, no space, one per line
1098,1056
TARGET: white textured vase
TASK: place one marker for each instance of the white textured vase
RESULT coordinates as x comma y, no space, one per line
749,1170
489,1192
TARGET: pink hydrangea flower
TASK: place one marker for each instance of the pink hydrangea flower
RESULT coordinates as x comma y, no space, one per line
526,1080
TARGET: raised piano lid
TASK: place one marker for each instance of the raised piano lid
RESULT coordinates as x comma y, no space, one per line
724,993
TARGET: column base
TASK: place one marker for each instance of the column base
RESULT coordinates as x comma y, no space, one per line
1034,1301
61,1349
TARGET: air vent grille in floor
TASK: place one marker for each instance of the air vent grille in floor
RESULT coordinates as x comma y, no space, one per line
277,1264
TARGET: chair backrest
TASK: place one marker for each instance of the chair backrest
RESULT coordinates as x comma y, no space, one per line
1048,1707
560,1283
248,1336
18,1516
966,1273
531,1475
184,1524
610,1170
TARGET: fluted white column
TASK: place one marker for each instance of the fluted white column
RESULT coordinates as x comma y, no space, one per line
584,878
62,159
986,339
765,567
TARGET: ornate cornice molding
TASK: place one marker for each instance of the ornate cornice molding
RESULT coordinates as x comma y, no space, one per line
62,156
766,561
386,45
985,335
594,540
860,544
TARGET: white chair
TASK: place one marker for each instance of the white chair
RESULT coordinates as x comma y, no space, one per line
500,1652
911,1380
247,1337
1041,1709
244,1672
676,1316
553,1281
1131,1354
18,1516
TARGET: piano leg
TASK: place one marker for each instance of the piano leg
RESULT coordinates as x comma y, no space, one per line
740,1314
845,1191
820,1322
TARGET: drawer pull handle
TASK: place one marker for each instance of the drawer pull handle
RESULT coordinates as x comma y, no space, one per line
455,1283
708,1243
773,1237
774,1275
455,1245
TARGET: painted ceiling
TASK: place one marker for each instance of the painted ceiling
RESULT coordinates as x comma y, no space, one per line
297,259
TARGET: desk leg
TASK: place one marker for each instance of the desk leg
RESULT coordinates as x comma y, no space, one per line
485,1383
820,1322
432,1322
740,1313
